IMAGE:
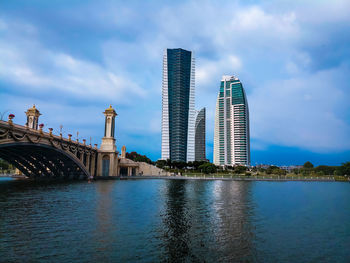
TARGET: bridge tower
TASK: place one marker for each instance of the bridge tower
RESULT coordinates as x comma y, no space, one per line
108,155
33,117
108,141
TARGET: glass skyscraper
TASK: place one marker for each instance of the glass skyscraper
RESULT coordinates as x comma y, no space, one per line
231,134
200,136
178,102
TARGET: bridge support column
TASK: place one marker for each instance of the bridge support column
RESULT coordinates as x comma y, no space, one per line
93,162
99,164
82,156
107,164
111,164
88,156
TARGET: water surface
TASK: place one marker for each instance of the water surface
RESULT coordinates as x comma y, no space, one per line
174,221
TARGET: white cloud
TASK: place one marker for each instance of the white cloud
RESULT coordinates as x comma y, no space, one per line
209,70
61,72
301,112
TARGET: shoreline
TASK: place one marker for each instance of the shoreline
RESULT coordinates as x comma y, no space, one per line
211,178
205,178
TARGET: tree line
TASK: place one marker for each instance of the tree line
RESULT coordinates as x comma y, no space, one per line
207,167
309,169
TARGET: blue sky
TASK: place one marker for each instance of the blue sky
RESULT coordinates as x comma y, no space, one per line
74,58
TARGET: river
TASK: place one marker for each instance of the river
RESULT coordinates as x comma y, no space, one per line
155,220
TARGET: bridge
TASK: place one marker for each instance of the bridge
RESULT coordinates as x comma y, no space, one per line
38,153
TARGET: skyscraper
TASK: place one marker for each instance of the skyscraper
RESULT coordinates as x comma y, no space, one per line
178,102
231,134
199,148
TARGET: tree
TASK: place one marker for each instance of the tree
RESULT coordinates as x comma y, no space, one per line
207,168
168,163
325,170
343,170
346,168
179,165
270,169
275,170
190,164
160,164
239,169
308,165
278,171
4,165
261,170
138,157
296,171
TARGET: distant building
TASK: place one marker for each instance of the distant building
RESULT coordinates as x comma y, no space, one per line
200,136
231,134
263,166
178,105
290,168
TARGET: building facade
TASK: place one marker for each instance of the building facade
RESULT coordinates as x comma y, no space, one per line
231,132
200,136
178,102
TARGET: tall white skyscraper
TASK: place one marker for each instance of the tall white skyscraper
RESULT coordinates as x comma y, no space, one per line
178,105
231,134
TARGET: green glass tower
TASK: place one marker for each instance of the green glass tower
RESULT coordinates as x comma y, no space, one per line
231,134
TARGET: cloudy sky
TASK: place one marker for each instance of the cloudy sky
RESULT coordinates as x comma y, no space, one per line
74,58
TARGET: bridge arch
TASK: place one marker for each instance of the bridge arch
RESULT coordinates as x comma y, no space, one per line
42,160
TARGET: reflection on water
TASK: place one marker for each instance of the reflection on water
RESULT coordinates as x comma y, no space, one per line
208,220
174,221
234,210
104,219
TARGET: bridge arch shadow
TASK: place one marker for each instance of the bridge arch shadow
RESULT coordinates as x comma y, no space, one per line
41,160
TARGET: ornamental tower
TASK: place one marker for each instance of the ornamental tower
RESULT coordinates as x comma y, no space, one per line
108,141
32,117
231,134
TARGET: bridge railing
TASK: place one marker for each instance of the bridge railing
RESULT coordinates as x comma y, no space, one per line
20,128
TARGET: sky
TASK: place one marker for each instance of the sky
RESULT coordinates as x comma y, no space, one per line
72,59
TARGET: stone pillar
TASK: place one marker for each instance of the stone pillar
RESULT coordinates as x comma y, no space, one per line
82,156
116,164
93,161
111,164
99,164
88,156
